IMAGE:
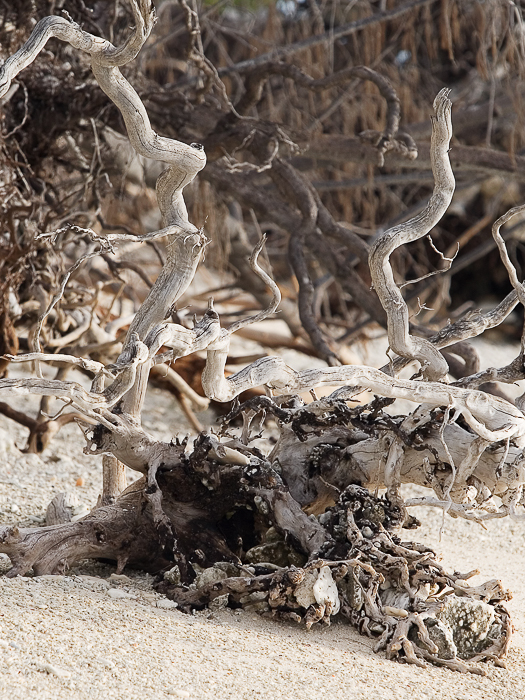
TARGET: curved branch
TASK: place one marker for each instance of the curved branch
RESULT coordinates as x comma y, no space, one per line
84,400
276,292
100,49
476,323
87,364
513,372
511,270
291,183
185,161
401,342
472,325
184,341
491,417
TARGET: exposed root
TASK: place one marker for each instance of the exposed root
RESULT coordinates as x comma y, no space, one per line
390,590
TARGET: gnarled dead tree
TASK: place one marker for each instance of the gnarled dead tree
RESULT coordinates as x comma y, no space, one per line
294,532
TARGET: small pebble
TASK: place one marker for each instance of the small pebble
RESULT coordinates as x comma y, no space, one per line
119,578
166,604
219,603
92,580
119,593
178,693
149,597
79,481
36,519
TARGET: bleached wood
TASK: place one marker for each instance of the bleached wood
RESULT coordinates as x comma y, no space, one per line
433,364
113,479
186,242
511,270
491,418
87,364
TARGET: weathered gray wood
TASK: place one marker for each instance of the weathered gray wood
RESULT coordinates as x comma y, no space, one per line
433,364
113,479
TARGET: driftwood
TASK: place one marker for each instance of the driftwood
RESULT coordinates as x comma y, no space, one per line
205,516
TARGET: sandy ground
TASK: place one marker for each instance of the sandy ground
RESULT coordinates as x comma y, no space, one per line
93,635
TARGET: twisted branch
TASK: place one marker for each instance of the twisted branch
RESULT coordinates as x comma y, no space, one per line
433,364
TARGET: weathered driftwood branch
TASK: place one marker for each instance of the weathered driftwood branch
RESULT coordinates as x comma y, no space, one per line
475,323
113,479
186,242
433,364
471,326
511,270
509,374
488,416
105,532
